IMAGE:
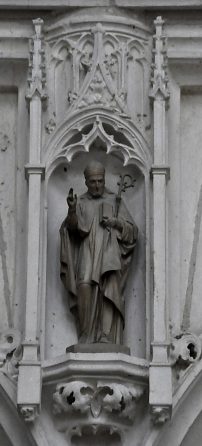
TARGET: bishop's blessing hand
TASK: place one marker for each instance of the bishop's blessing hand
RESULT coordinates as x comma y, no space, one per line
72,200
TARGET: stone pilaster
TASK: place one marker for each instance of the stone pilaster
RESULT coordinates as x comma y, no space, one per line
160,369
29,381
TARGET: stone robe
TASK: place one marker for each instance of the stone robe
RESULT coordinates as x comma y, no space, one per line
100,257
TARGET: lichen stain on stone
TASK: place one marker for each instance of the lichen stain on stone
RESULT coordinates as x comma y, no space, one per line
4,142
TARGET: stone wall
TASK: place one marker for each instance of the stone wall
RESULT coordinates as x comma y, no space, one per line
119,82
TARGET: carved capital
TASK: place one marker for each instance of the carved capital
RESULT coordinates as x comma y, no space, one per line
161,170
34,169
160,414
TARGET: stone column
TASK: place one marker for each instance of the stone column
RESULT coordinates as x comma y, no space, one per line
160,369
29,380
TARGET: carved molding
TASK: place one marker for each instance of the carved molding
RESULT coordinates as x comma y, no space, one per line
161,170
61,4
34,169
84,366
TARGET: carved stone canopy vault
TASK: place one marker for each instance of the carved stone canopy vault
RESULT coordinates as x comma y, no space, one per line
61,145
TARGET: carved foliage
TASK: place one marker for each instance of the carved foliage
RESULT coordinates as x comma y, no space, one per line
159,78
37,74
97,398
186,349
10,351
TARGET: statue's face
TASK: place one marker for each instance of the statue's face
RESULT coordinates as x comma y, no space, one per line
95,184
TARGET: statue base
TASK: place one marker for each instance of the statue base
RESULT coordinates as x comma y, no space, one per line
98,348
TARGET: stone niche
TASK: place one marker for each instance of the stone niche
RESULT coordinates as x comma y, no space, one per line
95,395
92,115
60,324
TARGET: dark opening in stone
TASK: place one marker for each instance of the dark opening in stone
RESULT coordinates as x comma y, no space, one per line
71,398
191,348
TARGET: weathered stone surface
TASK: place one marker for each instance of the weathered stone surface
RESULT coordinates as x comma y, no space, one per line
118,82
61,4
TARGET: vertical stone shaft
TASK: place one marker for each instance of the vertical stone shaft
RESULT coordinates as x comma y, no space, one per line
160,370
35,130
29,380
34,172
33,257
159,210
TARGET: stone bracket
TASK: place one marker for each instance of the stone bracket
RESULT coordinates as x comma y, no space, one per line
104,403
97,397
96,390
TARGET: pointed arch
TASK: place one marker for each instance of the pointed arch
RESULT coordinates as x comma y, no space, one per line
136,152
